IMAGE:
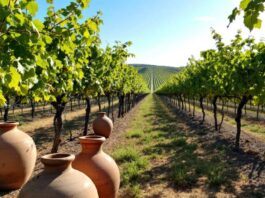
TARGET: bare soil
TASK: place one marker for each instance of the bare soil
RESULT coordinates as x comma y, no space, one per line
248,179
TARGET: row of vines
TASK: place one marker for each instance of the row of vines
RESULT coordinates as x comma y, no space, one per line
231,74
160,74
60,58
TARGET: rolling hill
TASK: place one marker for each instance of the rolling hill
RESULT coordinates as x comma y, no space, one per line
154,75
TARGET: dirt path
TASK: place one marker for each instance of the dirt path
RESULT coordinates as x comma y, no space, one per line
164,154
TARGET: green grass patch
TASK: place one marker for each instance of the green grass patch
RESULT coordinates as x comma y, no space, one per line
255,128
132,160
182,175
187,167
133,191
132,163
135,134
147,139
216,175
133,171
128,154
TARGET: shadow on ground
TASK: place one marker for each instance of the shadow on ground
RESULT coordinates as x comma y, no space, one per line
199,158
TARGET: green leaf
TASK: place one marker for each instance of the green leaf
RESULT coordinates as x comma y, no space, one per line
260,8
86,34
20,18
244,4
15,78
2,99
47,39
32,7
59,64
80,74
234,14
258,24
4,2
24,89
41,62
3,12
30,73
84,3
49,1
39,25
92,25
250,19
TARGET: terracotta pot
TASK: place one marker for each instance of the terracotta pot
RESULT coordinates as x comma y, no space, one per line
102,125
99,166
17,156
59,180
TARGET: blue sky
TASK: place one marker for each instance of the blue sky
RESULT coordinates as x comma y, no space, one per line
163,32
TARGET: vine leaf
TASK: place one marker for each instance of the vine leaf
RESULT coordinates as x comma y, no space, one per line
14,78
32,7
244,4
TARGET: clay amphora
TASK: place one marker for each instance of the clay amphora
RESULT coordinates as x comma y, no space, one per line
99,166
59,180
102,125
17,156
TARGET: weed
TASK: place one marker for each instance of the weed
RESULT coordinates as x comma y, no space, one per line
182,175
216,175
